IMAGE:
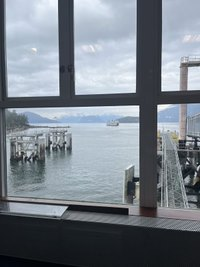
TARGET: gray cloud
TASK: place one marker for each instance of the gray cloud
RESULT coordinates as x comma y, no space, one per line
32,24
105,46
99,20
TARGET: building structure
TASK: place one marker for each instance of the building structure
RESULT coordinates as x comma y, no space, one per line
89,234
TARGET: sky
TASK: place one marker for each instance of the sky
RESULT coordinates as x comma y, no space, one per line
180,38
105,48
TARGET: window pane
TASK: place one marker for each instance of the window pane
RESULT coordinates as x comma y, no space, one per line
105,46
181,39
179,156
105,142
32,48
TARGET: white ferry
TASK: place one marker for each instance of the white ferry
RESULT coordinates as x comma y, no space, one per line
113,123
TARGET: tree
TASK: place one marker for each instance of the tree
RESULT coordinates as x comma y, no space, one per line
15,121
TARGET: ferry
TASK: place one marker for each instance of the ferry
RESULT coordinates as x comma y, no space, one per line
113,123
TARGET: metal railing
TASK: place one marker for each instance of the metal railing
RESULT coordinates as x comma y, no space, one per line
190,59
173,193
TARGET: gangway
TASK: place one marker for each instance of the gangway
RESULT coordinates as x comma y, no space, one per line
193,126
190,61
173,193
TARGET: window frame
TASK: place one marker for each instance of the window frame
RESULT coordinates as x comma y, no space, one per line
69,99
148,89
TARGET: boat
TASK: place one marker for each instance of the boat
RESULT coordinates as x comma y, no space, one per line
113,123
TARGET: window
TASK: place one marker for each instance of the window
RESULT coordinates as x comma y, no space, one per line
178,184
84,81
45,78
105,47
32,48
79,154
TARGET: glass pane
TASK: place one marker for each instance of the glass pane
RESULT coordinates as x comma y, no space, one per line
74,153
32,48
105,46
179,156
180,51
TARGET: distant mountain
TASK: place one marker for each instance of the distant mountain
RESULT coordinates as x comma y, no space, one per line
35,118
87,119
128,119
171,114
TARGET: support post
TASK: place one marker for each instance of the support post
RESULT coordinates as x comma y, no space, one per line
183,107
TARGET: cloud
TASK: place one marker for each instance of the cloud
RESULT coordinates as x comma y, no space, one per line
99,20
32,48
92,48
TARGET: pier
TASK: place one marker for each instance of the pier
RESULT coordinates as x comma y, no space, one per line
30,148
172,189
58,139
27,147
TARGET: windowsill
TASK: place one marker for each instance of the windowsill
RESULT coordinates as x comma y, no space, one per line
148,218
55,208
78,236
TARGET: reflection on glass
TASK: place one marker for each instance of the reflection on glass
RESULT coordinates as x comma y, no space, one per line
32,209
105,46
178,159
86,153
32,48
180,51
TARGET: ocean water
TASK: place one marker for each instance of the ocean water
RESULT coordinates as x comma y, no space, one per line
92,171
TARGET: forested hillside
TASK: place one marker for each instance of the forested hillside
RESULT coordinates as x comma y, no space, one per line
16,121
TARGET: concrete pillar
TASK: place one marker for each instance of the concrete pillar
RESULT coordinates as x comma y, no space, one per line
183,107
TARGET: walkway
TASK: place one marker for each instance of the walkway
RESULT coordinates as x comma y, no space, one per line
173,193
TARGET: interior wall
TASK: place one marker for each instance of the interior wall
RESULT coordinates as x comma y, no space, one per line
80,243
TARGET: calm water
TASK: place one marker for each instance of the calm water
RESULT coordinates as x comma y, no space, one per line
93,171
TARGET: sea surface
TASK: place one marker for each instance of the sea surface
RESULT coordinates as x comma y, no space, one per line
93,171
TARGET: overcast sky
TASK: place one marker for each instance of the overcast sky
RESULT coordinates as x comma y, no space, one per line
105,47
181,38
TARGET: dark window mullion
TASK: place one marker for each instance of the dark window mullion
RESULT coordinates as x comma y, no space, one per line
3,181
2,52
148,86
66,48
